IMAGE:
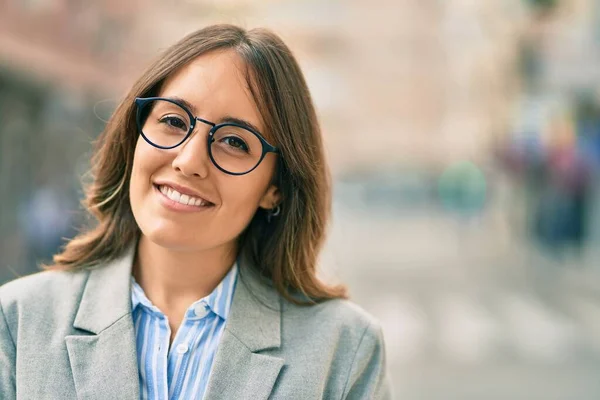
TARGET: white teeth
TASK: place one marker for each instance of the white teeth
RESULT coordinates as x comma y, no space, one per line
182,198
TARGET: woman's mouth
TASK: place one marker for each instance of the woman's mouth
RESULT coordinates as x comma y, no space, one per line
184,201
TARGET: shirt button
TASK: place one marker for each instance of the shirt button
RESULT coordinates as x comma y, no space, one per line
200,310
182,348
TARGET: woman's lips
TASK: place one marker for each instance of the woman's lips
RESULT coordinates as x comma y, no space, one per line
173,200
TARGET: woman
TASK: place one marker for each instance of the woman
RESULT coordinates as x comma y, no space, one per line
211,193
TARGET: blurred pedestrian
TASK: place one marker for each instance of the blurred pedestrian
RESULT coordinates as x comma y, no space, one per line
46,220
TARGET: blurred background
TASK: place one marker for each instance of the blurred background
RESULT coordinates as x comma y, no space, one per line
464,140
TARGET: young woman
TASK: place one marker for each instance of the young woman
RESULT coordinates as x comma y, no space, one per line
199,280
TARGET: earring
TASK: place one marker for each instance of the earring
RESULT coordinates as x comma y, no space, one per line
273,212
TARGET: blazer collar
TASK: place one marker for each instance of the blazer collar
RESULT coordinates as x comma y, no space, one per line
103,357
254,318
240,370
255,315
109,359
107,294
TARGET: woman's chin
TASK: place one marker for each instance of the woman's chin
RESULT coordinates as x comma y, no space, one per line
173,240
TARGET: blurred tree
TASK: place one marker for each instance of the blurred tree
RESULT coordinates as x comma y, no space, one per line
542,5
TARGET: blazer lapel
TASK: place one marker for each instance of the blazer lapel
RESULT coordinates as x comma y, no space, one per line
104,358
253,325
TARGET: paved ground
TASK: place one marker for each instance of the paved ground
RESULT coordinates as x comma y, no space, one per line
469,315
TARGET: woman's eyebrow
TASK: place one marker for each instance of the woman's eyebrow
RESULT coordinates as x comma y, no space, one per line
238,121
184,103
225,119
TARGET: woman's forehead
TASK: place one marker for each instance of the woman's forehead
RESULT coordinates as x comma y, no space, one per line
215,84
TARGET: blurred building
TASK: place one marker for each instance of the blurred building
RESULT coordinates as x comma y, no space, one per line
76,45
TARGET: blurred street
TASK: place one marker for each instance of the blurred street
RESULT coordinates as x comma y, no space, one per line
467,322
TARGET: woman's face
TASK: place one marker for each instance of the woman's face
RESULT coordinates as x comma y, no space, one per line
215,85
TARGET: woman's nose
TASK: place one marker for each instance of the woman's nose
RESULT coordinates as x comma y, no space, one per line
192,160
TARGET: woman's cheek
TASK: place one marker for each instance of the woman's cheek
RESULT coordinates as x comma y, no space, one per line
237,215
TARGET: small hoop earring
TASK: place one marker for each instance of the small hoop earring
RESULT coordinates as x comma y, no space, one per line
277,211
273,212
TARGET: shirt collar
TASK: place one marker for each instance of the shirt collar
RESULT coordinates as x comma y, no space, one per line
219,300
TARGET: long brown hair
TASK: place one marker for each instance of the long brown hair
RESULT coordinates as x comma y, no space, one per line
284,250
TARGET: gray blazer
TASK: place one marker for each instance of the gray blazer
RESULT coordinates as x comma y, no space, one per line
70,335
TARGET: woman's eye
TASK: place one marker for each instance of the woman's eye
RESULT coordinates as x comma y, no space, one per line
175,122
235,142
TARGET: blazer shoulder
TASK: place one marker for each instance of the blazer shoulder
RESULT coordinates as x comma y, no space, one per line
342,313
42,287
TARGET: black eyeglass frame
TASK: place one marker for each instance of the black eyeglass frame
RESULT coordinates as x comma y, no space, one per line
266,146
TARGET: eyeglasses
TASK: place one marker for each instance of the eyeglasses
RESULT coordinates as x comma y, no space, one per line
233,147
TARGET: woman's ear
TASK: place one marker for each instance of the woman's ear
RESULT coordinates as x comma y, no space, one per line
271,198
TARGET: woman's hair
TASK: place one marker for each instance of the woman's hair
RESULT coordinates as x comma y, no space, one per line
284,250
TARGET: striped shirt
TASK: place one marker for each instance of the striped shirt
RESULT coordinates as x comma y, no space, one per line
181,371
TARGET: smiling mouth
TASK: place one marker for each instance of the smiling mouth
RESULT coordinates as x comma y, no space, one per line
183,198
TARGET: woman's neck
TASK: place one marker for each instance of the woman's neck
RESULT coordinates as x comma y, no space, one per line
173,279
